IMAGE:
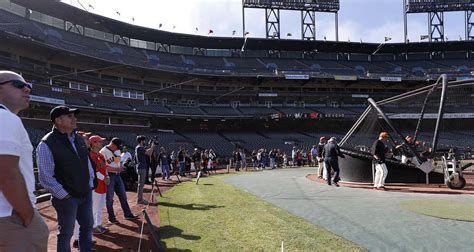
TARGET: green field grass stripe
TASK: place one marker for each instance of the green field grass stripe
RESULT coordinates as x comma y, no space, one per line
215,216
444,209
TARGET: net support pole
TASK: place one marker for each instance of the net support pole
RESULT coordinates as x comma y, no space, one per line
444,83
385,118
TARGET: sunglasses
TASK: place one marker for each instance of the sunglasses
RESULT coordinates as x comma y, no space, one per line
19,84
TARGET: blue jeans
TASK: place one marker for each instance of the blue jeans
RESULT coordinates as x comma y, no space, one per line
272,163
165,171
182,167
68,211
116,186
334,165
141,183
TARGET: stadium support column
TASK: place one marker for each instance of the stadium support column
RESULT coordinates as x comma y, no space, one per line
336,21
308,25
272,23
405,21
469,25
243,19
436,26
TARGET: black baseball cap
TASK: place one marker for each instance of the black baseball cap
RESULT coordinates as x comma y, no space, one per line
62,110
117,142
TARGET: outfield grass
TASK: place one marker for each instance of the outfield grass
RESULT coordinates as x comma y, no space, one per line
444,209
215,216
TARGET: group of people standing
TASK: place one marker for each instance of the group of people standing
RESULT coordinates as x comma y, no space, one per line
81,174
200,160
328,153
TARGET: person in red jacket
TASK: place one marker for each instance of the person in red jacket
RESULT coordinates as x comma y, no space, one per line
98,195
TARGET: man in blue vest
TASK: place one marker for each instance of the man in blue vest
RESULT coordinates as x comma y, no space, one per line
65,170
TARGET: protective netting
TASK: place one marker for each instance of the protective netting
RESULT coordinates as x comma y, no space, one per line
404,114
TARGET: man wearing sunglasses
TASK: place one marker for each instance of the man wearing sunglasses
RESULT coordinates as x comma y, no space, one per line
21,226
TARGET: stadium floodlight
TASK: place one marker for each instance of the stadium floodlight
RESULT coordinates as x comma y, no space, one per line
420,6
306,7
319,5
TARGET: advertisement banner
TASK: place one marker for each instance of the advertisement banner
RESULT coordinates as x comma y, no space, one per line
360,96
391,79
267,94
345,77
296,76
46,100
465,78
432,116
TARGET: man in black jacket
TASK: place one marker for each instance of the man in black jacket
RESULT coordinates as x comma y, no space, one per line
331,152
378,151
66,171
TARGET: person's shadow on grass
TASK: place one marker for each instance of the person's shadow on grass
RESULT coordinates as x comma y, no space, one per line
202,207
166,232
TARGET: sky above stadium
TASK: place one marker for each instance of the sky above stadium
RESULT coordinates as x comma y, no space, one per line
359,20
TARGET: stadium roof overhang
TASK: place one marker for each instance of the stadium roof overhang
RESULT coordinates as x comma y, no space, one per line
78,16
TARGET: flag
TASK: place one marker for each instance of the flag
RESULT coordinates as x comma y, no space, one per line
388,39
174,27
210,31
247,33
90,6
118,13
324,37
422,37
289,34
133,19
233,32
160,25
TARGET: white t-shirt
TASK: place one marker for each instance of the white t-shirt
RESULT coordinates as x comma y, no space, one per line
125,156
111,160
14,141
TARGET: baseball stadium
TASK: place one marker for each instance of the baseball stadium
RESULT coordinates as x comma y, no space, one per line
235,143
